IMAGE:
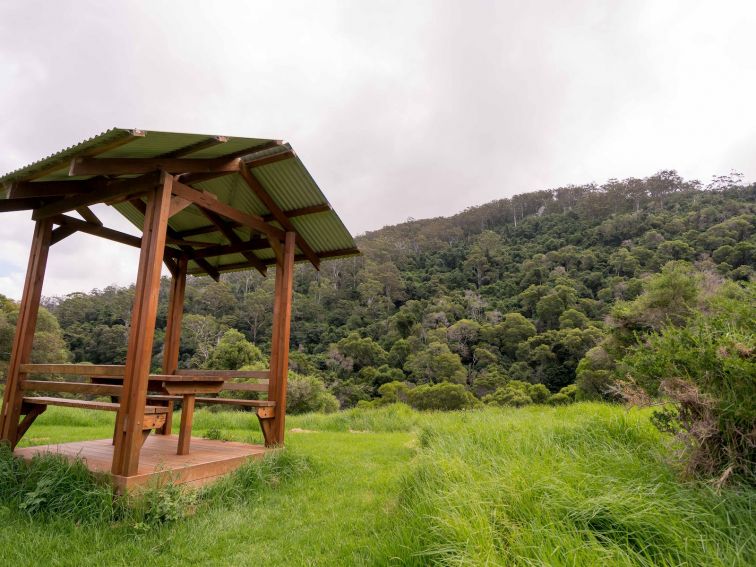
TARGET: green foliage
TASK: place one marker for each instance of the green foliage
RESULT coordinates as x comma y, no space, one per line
707,368
233,352
393,392
308,394
517,394
575,485
444,397
526,285
435,363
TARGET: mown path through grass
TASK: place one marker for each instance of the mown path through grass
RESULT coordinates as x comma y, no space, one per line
332,515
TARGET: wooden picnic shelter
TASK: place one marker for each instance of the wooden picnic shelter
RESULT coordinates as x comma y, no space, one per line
205,205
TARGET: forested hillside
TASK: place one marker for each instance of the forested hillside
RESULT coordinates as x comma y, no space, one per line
516,290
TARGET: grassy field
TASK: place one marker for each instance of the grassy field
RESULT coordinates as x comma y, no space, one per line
587,484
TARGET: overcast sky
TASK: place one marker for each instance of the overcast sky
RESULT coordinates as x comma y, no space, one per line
399,109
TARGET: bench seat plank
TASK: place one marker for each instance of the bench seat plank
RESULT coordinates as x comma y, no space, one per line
227,401
85,404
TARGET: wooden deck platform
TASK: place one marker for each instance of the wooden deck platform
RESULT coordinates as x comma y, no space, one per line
159,462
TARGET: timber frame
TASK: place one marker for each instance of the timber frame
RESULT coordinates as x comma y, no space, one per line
157,188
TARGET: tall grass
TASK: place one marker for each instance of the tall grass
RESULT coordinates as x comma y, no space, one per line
581,485
51,487
387,419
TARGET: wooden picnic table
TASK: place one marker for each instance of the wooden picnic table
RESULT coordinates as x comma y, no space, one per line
186,386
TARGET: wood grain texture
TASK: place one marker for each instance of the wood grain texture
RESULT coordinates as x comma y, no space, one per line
279,356
25,325
159,461
128,437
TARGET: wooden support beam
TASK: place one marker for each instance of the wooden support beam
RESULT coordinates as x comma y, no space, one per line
267,160
279,351
257,188
54,188
22,204
125,138
115,370
25,325
291,213
185,428
97,230
189,178
130,419
133,166
255,243
32,413
234,239
251,150
172,339
196,147
87,214
210,202
185,248
178,204
301,212
114,190
60,233
272,261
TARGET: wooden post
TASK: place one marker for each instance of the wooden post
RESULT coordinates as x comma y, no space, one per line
185,429
173,330
24,337
279,351
128,437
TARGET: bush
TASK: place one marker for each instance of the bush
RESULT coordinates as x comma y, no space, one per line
706,368
559,399
444,396
517,394
308,394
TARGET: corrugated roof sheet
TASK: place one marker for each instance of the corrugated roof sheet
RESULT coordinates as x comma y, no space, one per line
288,183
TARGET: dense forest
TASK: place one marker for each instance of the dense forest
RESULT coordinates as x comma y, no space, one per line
518,288
546,297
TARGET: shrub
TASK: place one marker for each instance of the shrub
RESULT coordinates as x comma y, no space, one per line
706,368
307,394
514,393
393,392
538,393
444,396
559,399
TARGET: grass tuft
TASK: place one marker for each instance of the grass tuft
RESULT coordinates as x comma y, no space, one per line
579,485
51,487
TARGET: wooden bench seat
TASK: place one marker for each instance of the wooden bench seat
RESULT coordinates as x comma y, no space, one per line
226,401
32,406
266,409
86,404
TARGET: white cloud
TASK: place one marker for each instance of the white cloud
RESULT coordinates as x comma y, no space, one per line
398,108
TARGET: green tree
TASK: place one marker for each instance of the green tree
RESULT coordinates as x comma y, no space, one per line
233,352
435,363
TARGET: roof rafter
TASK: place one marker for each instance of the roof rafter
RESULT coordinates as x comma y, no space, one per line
114,190
196,147
257,188
204,200
234,238
291,213
127,137
132,166
188,251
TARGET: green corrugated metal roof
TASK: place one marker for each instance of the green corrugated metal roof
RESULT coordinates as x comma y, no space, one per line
287,181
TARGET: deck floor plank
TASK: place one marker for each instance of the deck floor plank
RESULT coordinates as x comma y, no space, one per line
207,460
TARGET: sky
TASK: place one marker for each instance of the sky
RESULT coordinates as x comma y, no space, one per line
398,109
